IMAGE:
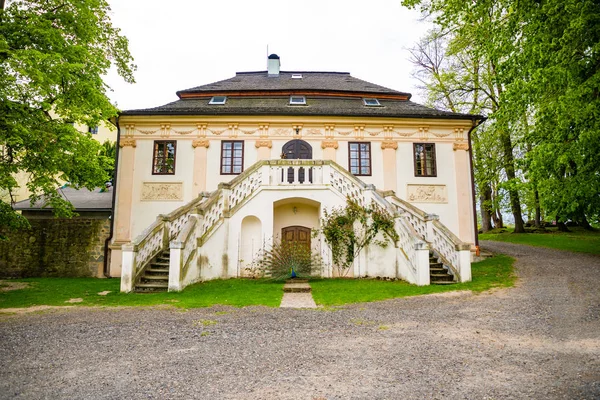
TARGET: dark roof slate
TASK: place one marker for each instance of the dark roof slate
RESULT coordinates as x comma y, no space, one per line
315,106
314,81
82,199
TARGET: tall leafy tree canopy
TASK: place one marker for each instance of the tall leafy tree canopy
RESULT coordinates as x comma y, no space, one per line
540,61
53,56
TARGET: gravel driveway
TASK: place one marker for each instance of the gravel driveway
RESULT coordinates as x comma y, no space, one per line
539,340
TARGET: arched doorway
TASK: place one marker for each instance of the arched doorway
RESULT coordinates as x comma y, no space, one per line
297,149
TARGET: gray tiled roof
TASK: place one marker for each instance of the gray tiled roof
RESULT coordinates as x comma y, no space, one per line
327,94
82,200
317,106
321,81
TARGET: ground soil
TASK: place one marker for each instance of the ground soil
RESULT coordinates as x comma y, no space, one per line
538,340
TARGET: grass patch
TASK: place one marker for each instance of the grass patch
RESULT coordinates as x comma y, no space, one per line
578,240
491,273
56,291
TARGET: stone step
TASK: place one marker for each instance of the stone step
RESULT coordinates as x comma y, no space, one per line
153,285
440,270
155,264
155,277
162,260
158,271
440,278
296,288
435,264
442,282
296,280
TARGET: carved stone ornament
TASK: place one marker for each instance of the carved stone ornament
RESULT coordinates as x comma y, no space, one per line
126,141
200,143
427,193
162,191
333,144
389,144
263,143
460,146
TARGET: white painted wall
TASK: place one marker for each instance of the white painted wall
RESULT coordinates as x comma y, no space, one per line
143,213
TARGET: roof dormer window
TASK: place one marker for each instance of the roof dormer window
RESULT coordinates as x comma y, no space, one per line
371,102
296,76
218,100
297,100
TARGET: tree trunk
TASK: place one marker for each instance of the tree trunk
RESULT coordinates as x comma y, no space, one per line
485,200
538,210
561,225
509,167
585,224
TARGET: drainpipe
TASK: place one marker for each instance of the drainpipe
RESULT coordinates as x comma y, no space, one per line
114,196
475,124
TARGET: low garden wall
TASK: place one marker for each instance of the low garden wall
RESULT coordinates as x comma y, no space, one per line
55,248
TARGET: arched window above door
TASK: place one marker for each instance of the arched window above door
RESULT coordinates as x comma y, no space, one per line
297,149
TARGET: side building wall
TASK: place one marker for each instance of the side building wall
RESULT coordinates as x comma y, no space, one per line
55,247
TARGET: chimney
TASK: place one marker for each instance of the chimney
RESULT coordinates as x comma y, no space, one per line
273,64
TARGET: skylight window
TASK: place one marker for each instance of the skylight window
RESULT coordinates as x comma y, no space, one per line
297,100
218,100
296,76
371,102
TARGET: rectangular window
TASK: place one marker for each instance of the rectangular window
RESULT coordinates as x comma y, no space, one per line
163,159
359,158
218,100
425,159
232,157
371,102
93,130
297,100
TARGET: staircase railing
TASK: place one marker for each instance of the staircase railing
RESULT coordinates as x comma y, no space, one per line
455,254
183,253
154,239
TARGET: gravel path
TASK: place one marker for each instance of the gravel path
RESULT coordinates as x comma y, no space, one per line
539,340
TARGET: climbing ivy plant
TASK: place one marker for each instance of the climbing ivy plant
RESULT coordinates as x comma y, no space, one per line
347,230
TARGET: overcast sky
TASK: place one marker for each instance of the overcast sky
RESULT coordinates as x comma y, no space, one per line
179,44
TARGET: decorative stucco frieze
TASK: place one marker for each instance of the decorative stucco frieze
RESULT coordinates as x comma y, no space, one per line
424,133
313,132
216,132
389,144
184,131
460,146
263,143
127,141
282,132
440,134
427,193
333,144
162,191
147,131
200,143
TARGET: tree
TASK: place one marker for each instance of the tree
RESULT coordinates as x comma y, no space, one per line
53,55
545,58
456,78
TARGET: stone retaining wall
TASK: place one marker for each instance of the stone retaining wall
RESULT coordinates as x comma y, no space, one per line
55,248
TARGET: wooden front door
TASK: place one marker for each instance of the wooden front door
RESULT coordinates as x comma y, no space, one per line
299,234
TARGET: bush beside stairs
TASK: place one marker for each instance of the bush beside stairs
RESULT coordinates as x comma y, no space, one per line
155,277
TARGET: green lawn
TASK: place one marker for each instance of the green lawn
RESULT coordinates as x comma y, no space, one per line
493,272
56,291
578,240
